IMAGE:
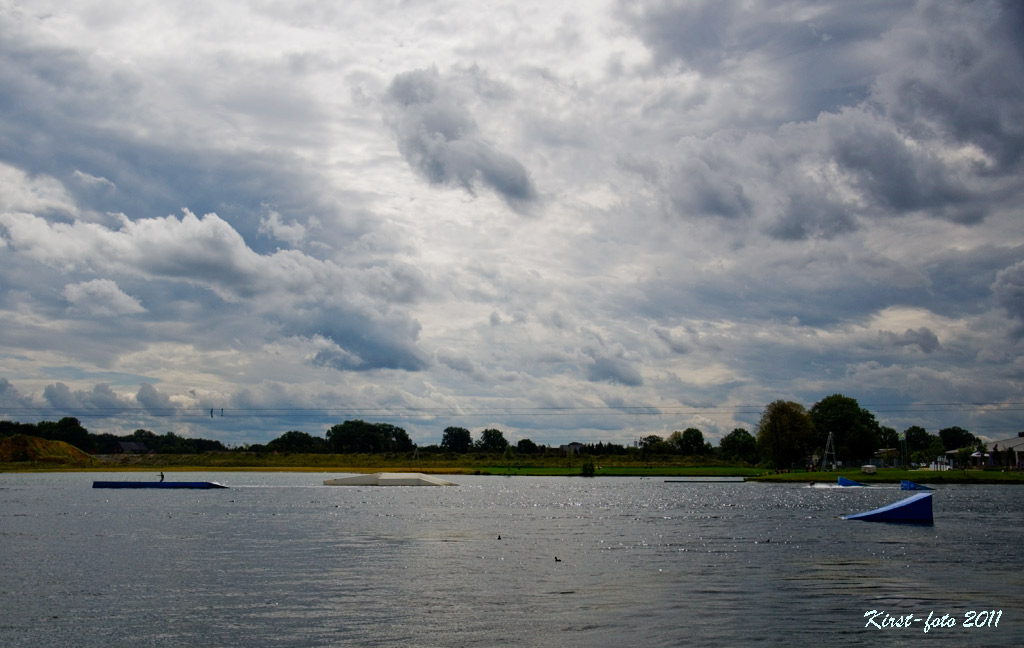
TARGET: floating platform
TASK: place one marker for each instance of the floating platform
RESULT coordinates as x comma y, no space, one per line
704,480
906,484
916,509
389,479
843,481
163,484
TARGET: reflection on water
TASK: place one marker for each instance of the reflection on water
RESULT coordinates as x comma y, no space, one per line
280,560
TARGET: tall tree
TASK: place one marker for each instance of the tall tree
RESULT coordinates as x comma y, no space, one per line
888,437
653,444
297,441
456,439
935,448
917,438
739,445
954,438
526,446
396,439
492,440
855,430
688,442
785,433
362,437
963,458
354,437
68,430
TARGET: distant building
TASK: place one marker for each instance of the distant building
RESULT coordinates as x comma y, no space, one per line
1010,452
572,449
131,447
887,457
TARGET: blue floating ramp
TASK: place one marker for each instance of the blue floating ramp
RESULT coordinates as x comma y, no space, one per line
916,509
843,481
906,484
138,484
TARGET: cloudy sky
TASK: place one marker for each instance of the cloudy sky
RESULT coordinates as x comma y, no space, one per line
585,221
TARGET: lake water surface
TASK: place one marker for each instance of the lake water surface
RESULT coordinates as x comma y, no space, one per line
281,560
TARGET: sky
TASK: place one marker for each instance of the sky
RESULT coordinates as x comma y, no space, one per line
575,221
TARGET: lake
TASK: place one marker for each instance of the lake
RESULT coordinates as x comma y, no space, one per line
280,560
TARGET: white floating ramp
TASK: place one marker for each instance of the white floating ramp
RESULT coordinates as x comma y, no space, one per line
389,479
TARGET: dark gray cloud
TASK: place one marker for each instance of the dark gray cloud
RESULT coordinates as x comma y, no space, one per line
615,369
14,401
896,176
311,297
815,56
923,338
63,115
675,345
1008,290
809,214
361,341
958,73
960,282
152,400
463,364
929,125
702,189
101,396
439,138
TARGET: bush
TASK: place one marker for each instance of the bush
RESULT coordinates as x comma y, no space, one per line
587,469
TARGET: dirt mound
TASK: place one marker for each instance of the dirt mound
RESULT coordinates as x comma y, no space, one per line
21,447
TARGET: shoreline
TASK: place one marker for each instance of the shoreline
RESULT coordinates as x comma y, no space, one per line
883,476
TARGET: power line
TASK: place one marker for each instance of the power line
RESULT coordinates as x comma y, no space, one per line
408,411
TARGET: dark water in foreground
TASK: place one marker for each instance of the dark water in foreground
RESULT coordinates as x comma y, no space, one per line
280,560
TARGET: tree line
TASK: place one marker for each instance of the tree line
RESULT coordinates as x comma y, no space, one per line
787,435
71,431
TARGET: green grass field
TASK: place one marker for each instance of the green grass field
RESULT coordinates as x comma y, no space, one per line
639,470
894,475
30,454
474,465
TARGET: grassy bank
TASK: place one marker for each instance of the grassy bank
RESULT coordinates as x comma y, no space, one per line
29,454
625,471
895,475
473,464
486,465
